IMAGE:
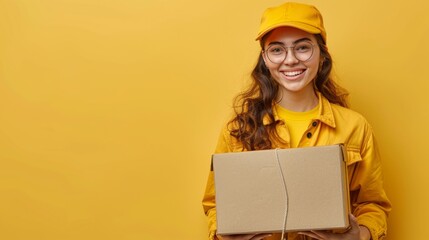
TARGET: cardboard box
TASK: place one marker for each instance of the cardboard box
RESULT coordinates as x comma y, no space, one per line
254,196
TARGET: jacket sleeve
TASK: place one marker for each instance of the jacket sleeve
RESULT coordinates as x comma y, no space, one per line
209,202
209,206
369,201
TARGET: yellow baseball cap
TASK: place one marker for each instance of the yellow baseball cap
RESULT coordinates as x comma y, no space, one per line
297,15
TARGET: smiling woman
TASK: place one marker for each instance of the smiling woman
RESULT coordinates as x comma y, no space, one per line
294,102
110,110
294,71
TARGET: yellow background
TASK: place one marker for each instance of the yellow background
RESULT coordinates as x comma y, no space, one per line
110,110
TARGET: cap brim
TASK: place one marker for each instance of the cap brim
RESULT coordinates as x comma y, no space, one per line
299,25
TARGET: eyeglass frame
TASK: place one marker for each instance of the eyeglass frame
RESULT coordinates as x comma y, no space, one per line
287,51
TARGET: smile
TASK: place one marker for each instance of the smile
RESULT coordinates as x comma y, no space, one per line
293,73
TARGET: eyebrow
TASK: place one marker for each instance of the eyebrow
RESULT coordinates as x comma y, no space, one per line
295,42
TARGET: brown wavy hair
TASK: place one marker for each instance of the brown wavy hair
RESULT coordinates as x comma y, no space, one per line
254,125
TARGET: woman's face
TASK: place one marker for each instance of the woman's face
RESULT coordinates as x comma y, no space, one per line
294,76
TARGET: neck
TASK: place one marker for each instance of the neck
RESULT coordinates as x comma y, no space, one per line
298,101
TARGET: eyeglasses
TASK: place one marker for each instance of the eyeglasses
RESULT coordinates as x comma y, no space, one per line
302,51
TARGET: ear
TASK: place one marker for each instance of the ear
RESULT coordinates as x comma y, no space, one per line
321,61
264,57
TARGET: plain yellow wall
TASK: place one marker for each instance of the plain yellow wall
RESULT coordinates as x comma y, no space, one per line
109,110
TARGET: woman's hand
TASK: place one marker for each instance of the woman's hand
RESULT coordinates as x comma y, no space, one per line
356,232
259,236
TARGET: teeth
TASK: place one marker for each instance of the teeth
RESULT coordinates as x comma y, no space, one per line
292,74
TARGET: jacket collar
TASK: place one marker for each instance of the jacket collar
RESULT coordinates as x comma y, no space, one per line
325,113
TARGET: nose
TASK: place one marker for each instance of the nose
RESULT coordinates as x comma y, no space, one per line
290,58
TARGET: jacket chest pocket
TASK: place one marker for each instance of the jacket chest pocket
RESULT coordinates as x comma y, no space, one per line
353,158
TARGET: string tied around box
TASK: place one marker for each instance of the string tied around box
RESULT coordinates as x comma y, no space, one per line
285,193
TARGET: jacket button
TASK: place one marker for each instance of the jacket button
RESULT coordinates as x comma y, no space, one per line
309,135
314,124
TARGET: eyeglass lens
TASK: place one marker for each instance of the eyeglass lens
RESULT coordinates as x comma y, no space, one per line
301,51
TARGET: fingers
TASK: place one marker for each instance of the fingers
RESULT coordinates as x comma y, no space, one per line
247,236
311,234
352,233
259,236
353,220
353,223
236,237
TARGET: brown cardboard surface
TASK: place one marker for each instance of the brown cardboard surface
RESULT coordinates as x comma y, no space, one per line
251,195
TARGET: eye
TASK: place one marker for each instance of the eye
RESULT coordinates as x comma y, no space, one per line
303,47
276,50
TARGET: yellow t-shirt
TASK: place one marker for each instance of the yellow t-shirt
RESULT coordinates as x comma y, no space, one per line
297,122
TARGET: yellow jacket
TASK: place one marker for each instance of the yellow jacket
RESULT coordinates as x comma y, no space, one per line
334,125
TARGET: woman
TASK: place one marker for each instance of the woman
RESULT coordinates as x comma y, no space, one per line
294,102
